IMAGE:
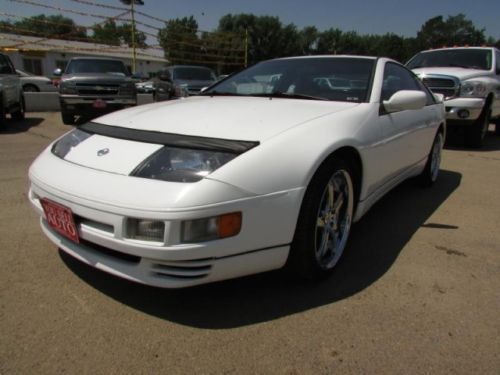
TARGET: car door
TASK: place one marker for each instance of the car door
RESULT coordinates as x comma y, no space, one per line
10,81
406,135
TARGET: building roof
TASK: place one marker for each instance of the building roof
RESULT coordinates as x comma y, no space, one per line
21,43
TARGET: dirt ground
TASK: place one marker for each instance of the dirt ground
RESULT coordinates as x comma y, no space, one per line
417,292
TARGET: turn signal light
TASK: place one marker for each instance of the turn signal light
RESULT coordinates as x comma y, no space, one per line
211,228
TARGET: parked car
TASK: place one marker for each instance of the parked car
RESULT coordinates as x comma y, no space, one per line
11,93
92,86
33,83
251,175
469,79
188,78
145,87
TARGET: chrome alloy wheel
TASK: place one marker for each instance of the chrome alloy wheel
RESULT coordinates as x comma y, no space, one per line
437,149
334,219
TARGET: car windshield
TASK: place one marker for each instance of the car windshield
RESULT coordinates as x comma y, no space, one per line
462,58
317,78
194,74
96,66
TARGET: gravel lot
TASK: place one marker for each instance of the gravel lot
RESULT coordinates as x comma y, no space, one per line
418,291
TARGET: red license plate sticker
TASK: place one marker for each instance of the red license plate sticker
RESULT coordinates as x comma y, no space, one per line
61,219
99,103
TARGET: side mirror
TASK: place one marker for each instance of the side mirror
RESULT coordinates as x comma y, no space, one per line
57,72
405,100
439,97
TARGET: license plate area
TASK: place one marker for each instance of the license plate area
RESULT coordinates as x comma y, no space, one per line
60,218
99,103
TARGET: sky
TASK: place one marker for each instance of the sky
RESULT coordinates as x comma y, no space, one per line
401,17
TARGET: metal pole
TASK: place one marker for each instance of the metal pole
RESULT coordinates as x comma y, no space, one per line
133,36
246,48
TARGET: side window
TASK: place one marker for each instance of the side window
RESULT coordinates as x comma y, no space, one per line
33,66
397,78
497,58
6,66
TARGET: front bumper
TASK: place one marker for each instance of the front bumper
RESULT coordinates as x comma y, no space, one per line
89,100
262,244
458,107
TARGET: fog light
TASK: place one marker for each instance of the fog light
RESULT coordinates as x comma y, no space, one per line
463,113
211,228
146,230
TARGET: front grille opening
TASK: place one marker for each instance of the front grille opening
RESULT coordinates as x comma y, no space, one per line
111,253
102,227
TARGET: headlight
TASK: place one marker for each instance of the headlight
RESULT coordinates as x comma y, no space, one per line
181,165
63,146
473,89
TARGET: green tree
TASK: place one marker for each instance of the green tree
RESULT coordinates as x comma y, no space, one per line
267,37
456,30
111,33
329,41
180,41
55,26
308,40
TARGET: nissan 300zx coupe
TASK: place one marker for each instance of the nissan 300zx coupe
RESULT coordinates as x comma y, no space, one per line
265,169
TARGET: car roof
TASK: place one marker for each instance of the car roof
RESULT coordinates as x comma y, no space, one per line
95,58
188,66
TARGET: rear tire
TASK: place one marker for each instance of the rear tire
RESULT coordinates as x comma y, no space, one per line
431,171
324,221
475,134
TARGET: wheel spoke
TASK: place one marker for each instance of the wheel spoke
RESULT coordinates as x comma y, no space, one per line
330,192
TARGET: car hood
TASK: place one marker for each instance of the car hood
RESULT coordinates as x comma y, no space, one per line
460,73
235,118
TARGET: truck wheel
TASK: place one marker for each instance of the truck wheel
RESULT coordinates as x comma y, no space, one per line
68,118
497,127
475,134
2,113
19,114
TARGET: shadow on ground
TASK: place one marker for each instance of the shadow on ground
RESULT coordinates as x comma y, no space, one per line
375,244
455,140
14,127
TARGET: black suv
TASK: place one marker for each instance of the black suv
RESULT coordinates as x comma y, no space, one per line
11,93
93,86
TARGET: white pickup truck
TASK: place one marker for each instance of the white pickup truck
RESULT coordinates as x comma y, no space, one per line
469,79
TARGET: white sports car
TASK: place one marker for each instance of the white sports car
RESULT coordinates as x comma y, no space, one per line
264,169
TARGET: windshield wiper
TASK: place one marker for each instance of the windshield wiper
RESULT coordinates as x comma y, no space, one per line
280,94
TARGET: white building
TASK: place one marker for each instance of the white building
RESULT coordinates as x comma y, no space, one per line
42,56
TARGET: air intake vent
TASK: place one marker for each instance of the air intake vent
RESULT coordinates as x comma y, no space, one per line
183,269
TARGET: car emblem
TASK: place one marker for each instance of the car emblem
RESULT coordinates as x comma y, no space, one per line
103,152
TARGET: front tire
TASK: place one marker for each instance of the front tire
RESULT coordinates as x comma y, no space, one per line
497,127
324,222
19,114
475,134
